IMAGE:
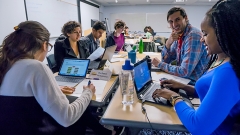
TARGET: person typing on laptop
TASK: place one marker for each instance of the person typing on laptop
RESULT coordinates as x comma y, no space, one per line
218,88
31,102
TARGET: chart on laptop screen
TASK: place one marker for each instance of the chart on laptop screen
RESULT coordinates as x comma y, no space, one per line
74,67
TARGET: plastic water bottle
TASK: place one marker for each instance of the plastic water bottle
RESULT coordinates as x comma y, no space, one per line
126,83
141,46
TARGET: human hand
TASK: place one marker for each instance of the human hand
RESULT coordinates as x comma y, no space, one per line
165,93
173,37
67,89
155,62
90,87
171,84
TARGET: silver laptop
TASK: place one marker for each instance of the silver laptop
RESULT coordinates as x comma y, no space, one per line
107,55
144,85
72,71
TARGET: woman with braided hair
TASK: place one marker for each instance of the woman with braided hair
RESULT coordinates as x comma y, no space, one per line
218,88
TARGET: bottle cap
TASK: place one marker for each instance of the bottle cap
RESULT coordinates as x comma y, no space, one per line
128,65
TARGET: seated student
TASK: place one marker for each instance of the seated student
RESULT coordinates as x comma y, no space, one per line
92,40
218,89
117,37
30,99
182,47
126,31
70,46
147,32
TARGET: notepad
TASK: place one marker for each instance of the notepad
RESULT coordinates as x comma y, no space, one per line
99,85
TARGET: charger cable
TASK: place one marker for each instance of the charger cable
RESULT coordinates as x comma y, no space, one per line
145,112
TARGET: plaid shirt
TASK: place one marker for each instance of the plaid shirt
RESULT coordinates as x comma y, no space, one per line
192,58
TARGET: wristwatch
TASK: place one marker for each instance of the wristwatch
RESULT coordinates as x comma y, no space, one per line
174,98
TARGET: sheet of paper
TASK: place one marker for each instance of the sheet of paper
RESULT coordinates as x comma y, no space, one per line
156,77
117,59
96,54
99,85
150,53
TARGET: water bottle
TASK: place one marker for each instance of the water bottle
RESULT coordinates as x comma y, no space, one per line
140,46
126,83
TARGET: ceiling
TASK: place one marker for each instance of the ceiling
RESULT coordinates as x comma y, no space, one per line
154,2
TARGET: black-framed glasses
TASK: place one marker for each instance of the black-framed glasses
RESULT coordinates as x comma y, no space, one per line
50,46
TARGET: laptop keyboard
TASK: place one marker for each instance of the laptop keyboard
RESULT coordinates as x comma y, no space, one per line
68,79
149,92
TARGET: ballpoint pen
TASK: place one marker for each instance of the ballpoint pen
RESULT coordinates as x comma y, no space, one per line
89,82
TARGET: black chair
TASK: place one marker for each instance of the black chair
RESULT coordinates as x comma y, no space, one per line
51,62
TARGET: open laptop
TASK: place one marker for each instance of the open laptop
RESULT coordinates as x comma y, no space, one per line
144,85
72,71
107,55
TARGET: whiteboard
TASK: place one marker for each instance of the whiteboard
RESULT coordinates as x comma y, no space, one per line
138,21
158,22
88,12
12,13
135,21
53,14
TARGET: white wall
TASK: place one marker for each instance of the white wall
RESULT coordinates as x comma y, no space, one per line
195,13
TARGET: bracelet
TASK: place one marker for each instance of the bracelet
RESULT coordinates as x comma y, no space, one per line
176,100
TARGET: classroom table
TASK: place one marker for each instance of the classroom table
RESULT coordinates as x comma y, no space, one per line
160,116
100,100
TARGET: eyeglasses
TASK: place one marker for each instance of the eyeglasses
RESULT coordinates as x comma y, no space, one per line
50,48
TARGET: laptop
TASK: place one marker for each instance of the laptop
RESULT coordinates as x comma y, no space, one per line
72,71
144,85
107,55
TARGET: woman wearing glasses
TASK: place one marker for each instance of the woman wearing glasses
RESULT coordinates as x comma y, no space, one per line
70,46
31,102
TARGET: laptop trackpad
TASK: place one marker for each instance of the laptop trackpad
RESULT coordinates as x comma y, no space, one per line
70,84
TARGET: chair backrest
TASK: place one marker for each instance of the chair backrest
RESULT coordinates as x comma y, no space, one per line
51,61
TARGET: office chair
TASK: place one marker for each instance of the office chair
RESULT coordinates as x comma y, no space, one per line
51,62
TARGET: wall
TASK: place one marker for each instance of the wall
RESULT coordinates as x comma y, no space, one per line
195,13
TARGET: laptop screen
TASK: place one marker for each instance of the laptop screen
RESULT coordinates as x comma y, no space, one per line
141,75
74,67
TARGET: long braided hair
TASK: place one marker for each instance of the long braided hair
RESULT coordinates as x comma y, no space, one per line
224,17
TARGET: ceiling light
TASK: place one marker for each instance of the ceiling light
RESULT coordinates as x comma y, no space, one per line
179,0
116,1
147,0
209,0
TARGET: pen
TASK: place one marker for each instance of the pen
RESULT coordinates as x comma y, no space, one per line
89,82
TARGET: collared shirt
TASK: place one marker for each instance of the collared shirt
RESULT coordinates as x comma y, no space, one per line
192,58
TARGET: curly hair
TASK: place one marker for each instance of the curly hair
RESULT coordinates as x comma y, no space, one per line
119,24
224,17
24,42
69,27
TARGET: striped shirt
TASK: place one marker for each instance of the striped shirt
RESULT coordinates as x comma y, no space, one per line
192,58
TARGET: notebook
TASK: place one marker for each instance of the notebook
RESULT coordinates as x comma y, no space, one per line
72,71
144,85
107,55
